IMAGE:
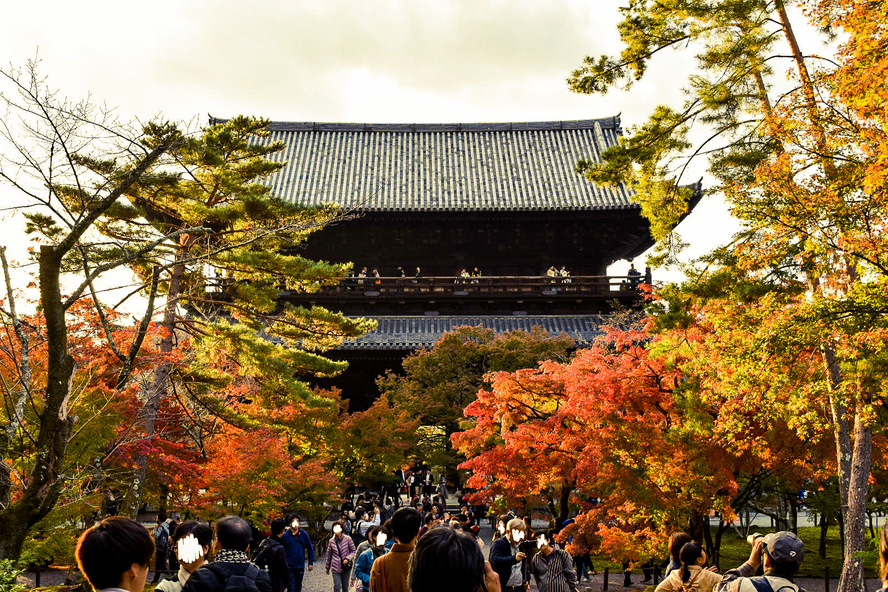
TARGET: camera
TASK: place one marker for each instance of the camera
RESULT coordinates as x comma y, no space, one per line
751,539
527,547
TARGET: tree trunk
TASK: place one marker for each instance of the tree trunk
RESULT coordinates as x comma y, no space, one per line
824,530
563,504
44,484
716,546
158,388
855,526
695,525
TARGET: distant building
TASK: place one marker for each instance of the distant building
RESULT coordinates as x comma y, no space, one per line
502,197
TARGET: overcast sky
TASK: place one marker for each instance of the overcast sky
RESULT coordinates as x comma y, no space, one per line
368,61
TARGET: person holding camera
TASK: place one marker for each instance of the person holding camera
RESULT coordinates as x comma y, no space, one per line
552,567
780,554
508,557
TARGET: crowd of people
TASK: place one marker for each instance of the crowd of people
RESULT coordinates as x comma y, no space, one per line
365,277
418,548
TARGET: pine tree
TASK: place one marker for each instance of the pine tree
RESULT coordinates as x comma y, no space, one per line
223,285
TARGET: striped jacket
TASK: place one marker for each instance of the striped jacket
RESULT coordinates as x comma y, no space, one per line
554,573
339,549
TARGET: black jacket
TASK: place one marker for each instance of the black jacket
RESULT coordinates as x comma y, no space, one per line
502,560
272,558
204,579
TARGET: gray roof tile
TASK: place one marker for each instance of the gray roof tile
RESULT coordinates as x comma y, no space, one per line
413,332
445,167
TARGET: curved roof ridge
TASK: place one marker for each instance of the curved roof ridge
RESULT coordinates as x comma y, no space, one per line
612,122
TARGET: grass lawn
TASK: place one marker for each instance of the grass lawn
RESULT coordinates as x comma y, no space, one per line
735,550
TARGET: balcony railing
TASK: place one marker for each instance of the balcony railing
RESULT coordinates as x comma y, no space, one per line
486,285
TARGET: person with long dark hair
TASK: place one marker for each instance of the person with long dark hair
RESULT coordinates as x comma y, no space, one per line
677,540
692,574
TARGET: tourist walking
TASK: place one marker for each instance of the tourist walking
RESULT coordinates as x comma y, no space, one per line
365,561
340,555
271,556
389,572
297,545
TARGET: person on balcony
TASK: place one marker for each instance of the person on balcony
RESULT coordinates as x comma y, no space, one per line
634,276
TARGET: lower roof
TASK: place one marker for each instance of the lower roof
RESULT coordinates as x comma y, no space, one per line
403,332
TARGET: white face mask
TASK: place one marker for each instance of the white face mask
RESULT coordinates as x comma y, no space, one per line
295,524
542,542
517,535
189,550
337,529
381,539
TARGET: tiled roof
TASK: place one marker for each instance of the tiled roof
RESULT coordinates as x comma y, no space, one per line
413,332
445,167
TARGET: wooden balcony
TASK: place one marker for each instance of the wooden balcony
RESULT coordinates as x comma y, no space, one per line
482,295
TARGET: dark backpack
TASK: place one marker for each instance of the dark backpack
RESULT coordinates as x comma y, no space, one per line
763,585
161,539
263,553
245,582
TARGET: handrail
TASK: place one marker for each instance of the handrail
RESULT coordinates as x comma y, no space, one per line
460,286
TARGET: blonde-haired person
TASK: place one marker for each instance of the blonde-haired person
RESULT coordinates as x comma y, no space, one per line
692,575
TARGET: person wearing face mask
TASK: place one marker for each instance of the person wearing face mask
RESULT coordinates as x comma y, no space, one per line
340,555
231,567
508,559
271,556
365,561
553,568
500,530
296,544
191,543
